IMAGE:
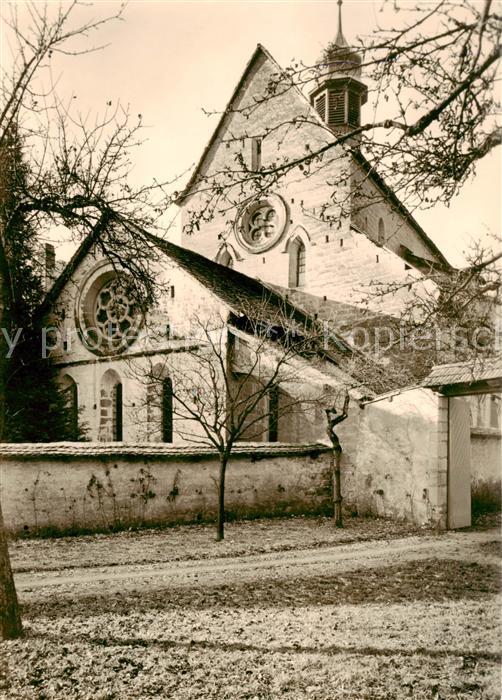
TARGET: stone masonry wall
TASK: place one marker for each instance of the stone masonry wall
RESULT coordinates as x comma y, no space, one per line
65,487
401,460
182,299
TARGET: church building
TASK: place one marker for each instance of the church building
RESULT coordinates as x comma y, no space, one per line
287,229
318,236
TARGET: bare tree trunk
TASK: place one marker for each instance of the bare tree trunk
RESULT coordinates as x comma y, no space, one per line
221,498
10,620
337,486
334,418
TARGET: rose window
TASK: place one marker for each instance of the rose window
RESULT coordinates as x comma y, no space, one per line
109,316
115,313
261,223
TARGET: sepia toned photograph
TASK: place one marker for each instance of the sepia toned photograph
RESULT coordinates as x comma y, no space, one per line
250,350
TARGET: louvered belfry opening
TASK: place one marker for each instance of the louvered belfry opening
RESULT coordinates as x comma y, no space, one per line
354,109
320,105
336,112
339,107
338,92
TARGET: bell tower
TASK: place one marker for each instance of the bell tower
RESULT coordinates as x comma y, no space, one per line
339,93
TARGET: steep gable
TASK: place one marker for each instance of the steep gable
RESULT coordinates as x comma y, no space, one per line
261,70
318,205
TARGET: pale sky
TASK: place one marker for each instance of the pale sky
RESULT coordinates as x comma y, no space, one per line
169,60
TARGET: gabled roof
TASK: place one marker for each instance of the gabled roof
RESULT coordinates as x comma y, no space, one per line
396,202
343,316
359,158
259,51
244,295
67,272
249,298
481,370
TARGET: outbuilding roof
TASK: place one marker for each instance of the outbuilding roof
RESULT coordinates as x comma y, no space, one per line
482,374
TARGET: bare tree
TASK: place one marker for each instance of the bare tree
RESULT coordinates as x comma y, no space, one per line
232,384
432,82
432,85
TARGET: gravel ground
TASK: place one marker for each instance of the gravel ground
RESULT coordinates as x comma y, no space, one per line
395,617
198,542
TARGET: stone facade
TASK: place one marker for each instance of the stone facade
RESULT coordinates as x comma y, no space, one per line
344,224
335,209
101,379
329,233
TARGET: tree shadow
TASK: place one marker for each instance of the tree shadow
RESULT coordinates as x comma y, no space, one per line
467,655
429,580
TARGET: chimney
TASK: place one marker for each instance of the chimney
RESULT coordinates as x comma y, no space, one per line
50,264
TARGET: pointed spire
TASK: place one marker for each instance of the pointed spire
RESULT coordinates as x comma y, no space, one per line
340,39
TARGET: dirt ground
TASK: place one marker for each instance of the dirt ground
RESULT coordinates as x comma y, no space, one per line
282,609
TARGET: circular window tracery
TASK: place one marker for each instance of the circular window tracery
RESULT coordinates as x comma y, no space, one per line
108,314
262,223
116,314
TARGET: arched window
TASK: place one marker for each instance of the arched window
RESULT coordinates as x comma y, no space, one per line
111,408
381,231
70,393
167,410
160,405
273,414
297,263
117,413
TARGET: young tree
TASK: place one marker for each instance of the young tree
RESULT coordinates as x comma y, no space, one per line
335,416
247,370
236,379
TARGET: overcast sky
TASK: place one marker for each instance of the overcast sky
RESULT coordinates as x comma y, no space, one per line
169,60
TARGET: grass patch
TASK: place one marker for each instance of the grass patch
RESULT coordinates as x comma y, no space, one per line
486,497
373,651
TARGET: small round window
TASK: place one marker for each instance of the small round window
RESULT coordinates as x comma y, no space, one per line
261,223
